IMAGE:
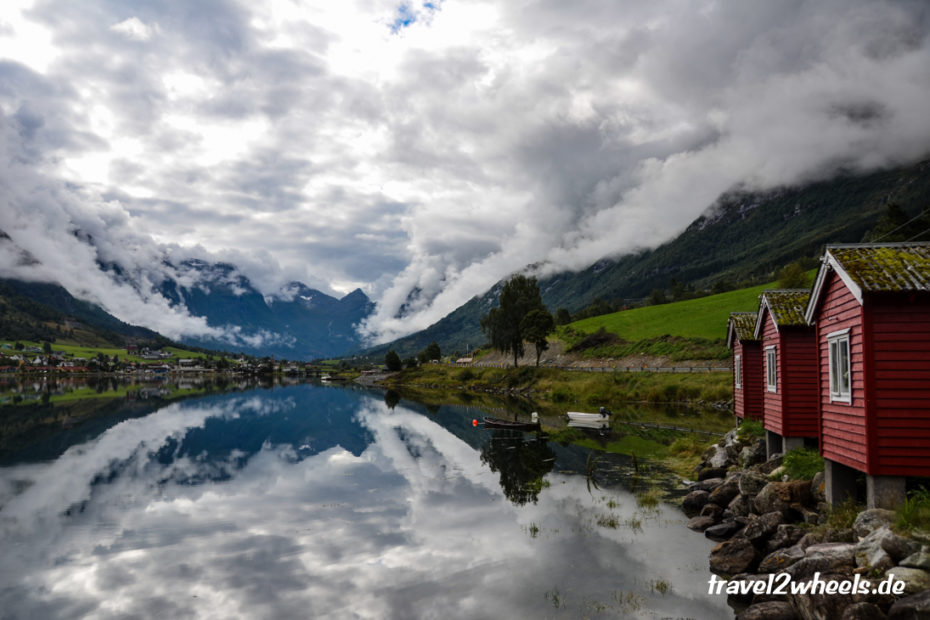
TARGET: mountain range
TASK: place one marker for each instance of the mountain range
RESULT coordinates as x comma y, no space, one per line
298,323
739,240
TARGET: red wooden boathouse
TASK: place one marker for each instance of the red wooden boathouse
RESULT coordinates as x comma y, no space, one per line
789,360
870,306
747,365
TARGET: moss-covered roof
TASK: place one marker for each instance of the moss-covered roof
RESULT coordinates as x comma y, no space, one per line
743,325
787,305
886,267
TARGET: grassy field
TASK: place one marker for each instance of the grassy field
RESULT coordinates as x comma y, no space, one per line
705,317
565,389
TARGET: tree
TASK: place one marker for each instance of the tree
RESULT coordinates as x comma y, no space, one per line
563,317
433,352
392,361
535,327
519,296
657,297
47,347
792,276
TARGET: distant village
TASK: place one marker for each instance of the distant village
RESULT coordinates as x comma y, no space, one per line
137,361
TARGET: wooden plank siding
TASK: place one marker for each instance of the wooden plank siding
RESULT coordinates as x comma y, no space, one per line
747,400
772,401
790,411
901,344
799,362
843,431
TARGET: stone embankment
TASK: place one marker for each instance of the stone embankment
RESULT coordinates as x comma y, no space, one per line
765,525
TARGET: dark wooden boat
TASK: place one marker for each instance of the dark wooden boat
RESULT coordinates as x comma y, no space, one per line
510,424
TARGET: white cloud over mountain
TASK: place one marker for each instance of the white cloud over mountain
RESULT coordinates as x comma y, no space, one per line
430,147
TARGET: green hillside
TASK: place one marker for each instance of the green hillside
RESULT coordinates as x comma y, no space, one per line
705,317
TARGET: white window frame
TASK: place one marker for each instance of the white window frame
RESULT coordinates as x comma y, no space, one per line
840,366
738,372
771,368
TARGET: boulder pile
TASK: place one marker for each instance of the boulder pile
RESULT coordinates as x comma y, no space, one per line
774,530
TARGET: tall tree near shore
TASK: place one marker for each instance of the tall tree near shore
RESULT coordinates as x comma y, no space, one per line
536,326
503,325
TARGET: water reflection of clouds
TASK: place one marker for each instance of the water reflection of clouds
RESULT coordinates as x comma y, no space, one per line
415,526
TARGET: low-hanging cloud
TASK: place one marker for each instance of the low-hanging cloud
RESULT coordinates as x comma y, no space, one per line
423,151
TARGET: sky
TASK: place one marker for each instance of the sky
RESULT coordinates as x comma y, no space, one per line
421,151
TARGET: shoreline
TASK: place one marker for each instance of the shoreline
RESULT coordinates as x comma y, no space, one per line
772,529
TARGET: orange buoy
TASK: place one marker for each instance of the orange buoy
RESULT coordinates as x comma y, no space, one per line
474,422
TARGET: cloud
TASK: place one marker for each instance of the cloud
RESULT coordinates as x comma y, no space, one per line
423,151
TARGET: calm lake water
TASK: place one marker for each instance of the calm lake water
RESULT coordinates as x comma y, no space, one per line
312,501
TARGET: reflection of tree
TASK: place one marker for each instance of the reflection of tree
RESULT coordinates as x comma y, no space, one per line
391,398
522,464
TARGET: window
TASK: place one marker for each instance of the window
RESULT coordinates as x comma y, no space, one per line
738,371
840,384
771,371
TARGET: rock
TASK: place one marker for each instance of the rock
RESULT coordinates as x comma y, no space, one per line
811,538
824,558
778,473
822,606
781,559
920,559
750,483
725,493
781,495
863,611
712,510
723,531
746,597
708,473
694,501
915,579
769,610
819,487
760,529
870,520
899,547
785,535
916,607
741,505
699,523
719,458
807,515
869,552
837,535
753,454
774,462
733,556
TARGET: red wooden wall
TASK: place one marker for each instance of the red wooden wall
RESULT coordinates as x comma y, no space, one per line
900,340
843,432
791,411
747,401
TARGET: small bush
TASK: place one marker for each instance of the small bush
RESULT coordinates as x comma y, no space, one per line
466,375
750,429
842,515
802,464
915,511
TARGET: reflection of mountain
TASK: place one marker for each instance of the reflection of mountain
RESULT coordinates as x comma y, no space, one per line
307,418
